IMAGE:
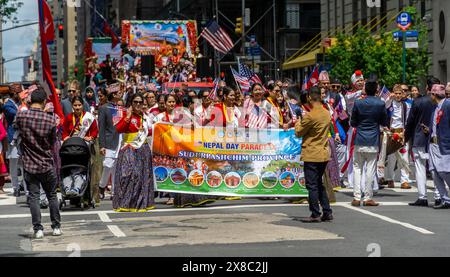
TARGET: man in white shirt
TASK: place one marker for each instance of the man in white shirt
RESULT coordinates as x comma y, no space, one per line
398,114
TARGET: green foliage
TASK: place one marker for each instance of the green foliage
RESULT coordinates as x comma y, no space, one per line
80,75
380,55
8,8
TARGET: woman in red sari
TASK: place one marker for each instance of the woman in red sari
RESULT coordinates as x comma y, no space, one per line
80,123
134,174
226,113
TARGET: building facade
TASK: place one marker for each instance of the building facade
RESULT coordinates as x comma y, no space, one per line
341,15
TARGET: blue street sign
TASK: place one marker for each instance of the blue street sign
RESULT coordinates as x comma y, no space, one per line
404,21
409,34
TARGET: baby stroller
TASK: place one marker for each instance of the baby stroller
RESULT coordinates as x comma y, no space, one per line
75,173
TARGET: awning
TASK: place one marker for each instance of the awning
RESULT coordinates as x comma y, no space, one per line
307,59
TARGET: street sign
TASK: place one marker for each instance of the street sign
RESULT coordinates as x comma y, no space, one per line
404,21
412,35
409,45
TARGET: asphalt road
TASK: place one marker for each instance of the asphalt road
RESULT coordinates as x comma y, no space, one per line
242,228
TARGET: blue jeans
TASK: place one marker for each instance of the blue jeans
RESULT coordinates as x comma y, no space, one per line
48,182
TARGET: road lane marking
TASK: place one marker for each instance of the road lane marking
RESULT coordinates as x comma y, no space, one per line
7,200
116,231
104,217
388,219
14,216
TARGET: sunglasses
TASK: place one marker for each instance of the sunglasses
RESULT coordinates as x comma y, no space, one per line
72,90
138,102
336,86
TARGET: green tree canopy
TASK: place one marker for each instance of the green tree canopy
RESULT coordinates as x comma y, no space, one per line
381,55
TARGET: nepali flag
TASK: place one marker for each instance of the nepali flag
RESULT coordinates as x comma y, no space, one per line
340,112
313,79
109,32
47,32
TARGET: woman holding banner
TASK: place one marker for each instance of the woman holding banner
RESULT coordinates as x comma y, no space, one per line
275,112
256,116
180,116
134,174
227,114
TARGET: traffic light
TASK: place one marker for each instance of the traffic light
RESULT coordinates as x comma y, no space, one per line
61,31
239,26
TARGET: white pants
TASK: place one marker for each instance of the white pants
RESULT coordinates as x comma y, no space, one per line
420,160
364,163
13,156
341,151
109,170
390,168
440,179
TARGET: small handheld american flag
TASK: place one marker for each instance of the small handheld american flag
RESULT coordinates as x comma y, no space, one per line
242,81
385,93
249,74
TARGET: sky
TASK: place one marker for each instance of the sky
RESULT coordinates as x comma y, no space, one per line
19,42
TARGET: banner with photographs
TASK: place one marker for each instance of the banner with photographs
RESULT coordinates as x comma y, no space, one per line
166,40
222,162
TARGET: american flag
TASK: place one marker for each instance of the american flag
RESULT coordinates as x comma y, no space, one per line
249,74
213,93
217,37
385,93
242,81
257,118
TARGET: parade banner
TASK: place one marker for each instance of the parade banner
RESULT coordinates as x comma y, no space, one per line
167,40
102,47
238,162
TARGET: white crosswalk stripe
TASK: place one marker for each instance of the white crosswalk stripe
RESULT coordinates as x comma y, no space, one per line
7,199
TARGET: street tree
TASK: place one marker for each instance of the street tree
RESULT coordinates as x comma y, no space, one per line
381,55
8,8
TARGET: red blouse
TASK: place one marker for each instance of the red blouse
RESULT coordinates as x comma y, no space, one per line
129,126
68,127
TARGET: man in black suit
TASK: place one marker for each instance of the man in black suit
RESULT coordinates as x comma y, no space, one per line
420,117
369,113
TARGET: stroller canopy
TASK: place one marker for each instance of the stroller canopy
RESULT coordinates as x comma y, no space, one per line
75,151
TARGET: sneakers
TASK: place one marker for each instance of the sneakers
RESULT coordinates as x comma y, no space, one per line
39,234
57,232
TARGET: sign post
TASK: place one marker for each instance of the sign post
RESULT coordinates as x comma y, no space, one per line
404,22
